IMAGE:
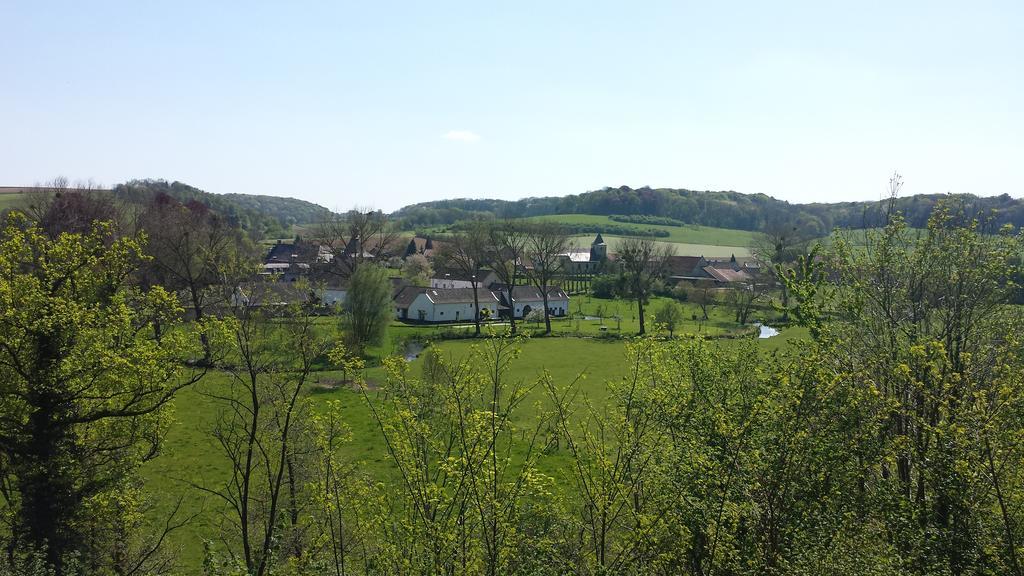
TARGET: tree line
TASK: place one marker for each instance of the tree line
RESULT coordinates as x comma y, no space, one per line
723,209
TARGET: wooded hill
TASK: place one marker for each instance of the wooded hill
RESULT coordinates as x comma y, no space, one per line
722,209
261,216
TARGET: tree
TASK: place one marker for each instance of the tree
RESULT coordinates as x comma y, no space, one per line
464,504
59,207
417,270
702,293
191,247
643,263
782,239
85,386
669,315
367,307
260,426
467,253
546,245
743,298
605,285
355,237
507,246
923,326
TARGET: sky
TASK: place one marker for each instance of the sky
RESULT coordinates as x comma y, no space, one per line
382,104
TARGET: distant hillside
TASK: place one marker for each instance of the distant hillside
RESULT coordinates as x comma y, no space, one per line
261,216
722,209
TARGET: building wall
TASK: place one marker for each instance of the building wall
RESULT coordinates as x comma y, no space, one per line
423,310
554,303
333,297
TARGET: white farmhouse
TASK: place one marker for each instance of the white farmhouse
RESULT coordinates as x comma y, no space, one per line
526,299
443,304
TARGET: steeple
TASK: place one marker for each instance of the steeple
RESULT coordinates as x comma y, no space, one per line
598,249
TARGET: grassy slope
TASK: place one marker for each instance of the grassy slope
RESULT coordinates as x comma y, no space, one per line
679,248
10,200
690,234
191,454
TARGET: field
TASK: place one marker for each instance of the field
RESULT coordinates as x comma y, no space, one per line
191,455
679,248
689,234
10,200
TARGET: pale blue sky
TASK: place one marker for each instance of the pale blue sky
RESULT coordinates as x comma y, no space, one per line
386,103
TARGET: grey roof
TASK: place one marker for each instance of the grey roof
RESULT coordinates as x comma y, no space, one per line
727,274
461,275
459,295
405,297
530,293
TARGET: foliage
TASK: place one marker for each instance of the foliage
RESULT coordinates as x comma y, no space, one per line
85,391
606,285
417,270
367,307
643,264
669,315
465,504
260,216
723,209
646,219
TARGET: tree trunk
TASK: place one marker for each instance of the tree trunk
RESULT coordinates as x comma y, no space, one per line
640,314
197,305
547,314
476,308
511,311
45,472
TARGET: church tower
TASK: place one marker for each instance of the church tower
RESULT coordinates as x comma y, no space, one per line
598,249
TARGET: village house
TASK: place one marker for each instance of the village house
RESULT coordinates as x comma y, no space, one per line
433,305
526,299
418,304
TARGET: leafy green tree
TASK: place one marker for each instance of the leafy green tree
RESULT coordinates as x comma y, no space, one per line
85,387
417,270
262,430
470,499
367,307
669,315
922,321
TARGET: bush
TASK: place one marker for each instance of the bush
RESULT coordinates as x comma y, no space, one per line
604,286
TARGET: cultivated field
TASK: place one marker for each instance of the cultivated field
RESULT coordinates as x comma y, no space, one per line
689,234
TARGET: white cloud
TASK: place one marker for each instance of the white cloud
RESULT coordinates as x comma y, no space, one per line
461,136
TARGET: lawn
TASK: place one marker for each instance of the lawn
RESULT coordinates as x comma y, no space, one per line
190,453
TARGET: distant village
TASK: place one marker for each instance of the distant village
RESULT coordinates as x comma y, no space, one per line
451,295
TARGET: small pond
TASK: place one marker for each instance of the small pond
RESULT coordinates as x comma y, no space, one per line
412,351
766,331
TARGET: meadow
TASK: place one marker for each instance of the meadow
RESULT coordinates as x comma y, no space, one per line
10,200
595,355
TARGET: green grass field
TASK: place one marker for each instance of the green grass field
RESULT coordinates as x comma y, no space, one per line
10,200
191,455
